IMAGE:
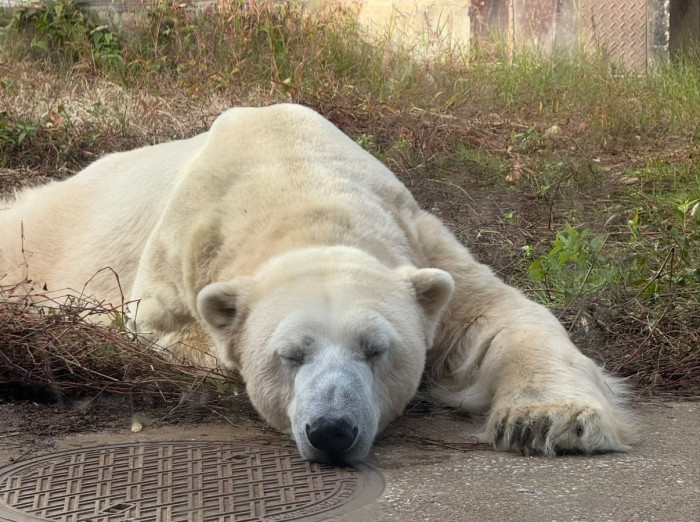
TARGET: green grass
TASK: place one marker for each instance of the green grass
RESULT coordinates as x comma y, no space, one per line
576,178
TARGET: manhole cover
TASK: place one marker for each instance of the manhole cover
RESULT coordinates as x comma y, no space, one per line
181,481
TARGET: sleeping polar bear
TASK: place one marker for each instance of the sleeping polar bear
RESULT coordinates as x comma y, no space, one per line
316,275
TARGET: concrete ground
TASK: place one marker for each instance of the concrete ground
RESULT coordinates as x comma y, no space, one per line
433,471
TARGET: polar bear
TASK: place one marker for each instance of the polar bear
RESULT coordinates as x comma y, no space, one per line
303,263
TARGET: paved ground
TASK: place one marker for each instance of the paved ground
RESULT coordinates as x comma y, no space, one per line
433,472
658,481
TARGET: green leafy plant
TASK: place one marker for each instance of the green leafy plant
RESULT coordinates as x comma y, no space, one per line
567,267
366,141
14,133
61,30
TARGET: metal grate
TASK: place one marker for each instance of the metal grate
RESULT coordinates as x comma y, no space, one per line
181,481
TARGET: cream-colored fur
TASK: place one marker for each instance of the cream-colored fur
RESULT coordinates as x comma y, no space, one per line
318,277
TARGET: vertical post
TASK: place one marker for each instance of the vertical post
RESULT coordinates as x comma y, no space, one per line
659,19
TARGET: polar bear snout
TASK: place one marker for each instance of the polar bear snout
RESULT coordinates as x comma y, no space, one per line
332,436
323,437
334,416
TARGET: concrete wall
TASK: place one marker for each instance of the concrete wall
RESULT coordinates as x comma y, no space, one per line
421,22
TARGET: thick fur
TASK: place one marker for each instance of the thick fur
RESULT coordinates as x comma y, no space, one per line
317,276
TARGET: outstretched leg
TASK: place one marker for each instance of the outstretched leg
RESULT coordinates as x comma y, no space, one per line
500,353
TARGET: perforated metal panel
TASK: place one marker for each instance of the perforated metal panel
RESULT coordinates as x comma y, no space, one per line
181,481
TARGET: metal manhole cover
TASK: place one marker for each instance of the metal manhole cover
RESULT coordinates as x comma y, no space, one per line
181,481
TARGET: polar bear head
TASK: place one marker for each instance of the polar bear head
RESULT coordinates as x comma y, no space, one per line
331,344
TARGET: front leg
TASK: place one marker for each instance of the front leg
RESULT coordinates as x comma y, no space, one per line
545,396
501,354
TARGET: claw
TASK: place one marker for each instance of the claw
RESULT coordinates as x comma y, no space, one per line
569,427
542,428
514,435
545,427
500,431
526,437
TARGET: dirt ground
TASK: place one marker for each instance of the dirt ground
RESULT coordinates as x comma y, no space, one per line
432,465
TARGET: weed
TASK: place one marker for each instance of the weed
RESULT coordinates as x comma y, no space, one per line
60,31
480,162
15,133
366,141
510,216
528,141
567,268
13,136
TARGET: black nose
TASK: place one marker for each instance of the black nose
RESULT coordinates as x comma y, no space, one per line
331,436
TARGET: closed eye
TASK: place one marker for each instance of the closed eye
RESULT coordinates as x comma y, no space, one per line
296,357
372,349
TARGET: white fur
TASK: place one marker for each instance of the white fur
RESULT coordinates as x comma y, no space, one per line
317,276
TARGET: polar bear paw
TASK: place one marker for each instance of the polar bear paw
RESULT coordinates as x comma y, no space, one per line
573,426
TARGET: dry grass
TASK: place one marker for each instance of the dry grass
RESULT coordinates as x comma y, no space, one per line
70,347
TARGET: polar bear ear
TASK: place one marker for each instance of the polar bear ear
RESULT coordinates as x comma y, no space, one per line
434,288
219,304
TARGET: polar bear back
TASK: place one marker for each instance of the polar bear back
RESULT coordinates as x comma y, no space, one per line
272,179
259,173
61,234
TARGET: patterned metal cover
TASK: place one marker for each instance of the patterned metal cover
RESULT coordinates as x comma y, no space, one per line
620,26
181,481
